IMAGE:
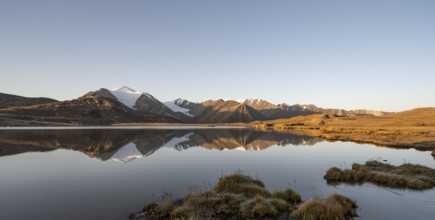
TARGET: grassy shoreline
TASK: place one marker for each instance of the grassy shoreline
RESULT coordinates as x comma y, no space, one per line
402,138
411,129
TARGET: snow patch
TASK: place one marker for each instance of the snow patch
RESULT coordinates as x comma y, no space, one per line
174,106
239,148
127,153
177,140
126,95
249,101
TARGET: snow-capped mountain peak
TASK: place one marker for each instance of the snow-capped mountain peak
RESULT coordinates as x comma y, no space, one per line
126,95
247,101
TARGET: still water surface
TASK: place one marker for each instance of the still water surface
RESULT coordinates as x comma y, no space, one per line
110,173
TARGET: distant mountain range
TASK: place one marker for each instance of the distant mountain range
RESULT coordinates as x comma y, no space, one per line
125,105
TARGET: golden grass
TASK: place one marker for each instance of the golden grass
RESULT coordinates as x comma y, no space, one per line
409,129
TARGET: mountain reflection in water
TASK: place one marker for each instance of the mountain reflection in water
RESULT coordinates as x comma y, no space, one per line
125,145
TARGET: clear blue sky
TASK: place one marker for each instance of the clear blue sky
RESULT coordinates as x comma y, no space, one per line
350,54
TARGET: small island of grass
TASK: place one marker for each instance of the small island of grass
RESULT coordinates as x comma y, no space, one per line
238,196
410,176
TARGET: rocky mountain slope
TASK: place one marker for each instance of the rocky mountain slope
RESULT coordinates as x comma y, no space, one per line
7,100
248,110
220,111
126,105
94,108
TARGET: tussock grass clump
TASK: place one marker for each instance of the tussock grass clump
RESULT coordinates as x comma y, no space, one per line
287,195
404,176
281,205
334,207
335,174
258,207
182,212
235,196
166,205
241,184
209,204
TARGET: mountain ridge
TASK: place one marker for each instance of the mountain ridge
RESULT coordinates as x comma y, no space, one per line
9,100
126,105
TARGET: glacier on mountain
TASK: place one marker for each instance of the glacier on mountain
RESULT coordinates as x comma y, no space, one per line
174,106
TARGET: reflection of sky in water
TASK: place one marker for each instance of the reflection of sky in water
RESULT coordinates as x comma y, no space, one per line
65,184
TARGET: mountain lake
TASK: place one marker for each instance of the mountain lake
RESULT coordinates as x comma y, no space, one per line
111,172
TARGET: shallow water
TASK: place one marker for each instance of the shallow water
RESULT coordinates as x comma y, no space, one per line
110,173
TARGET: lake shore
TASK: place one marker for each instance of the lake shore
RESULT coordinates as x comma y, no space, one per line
413,129
400,137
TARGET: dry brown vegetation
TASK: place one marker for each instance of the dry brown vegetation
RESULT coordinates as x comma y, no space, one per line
409,129
238,196
404,176
334,206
